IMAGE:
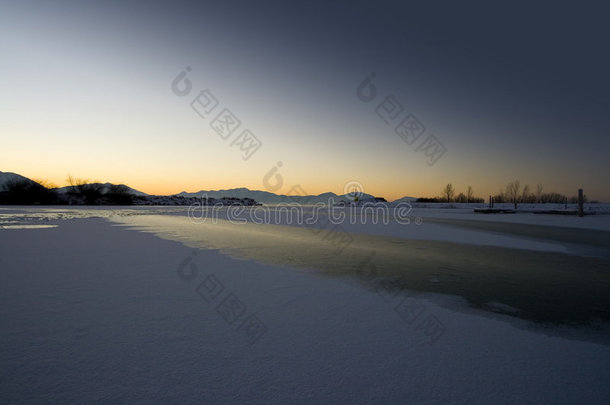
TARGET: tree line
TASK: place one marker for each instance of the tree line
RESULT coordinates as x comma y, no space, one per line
448,195
513,193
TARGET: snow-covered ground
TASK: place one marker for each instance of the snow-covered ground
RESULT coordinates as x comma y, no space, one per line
98,313
526,214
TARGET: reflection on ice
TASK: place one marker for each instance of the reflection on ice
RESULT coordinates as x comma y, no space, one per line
545,287
26,226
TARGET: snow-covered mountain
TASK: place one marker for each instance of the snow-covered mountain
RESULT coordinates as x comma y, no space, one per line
266,197
7,178
104,187
405,199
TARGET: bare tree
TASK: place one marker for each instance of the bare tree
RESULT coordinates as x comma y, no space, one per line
448,192
45,183
512,191
525,194
461,198
469,194
84,192
539,193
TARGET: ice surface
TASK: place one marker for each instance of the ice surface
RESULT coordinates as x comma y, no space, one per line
92,312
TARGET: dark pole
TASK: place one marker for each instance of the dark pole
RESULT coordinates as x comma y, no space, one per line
580,203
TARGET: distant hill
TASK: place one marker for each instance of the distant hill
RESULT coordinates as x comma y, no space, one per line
16,189
266,197
7,178
405,200
103,187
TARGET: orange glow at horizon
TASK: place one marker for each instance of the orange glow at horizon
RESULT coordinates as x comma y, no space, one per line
168,185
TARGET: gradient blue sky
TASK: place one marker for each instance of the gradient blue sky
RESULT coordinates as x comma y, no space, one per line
515,91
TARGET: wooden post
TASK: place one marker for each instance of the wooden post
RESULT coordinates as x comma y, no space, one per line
580,203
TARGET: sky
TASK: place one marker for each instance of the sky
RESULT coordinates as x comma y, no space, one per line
498,92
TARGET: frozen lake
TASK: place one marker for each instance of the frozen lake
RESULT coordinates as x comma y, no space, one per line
447,308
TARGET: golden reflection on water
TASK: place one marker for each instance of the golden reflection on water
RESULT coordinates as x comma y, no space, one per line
541,286
27,226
